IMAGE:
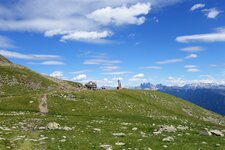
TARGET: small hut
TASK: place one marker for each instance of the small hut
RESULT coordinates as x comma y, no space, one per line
91,85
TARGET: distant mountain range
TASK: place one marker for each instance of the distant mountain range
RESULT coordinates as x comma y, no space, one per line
206,95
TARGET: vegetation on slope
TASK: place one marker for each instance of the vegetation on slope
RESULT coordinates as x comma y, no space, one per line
102,119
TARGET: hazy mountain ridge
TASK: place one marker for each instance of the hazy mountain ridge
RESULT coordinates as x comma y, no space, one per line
206,95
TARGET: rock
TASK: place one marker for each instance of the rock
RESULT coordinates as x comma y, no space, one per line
63,140
206,132
106,147
204,143
43,106
217,145
180,127
157,132
165,146
31,102
67,128
119,134
168,139
53,126
217,133
120,143
134,129
166,128
96,129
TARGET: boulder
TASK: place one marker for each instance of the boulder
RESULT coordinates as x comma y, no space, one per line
53,126
166,128
168,139
206,132
217,133
43,106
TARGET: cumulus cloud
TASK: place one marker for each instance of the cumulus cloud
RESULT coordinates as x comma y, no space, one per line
121,15
80,77
212,12
192,49
75,19
192,68
109,67
117,73
11,54
152,67
47,63
197,6
218,36
138,78
57,74
191,56
178,81
170,61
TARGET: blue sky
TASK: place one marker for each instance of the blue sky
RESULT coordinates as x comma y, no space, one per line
173,42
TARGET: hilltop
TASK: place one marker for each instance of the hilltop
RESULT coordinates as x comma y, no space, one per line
101,119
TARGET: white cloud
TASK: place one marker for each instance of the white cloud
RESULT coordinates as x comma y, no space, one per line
11,54
211,13
152,67
121,15
138,78
84,35
192,49
177,81
101,61
197,6
48,63
57,74
66,18
193,70
109,68
170,61
5,42
116,73
218,36
191,56
190,66
80,72
80,77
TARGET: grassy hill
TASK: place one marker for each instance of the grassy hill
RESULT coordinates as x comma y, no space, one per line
102,119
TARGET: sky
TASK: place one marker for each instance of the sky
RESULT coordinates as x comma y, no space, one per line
173,42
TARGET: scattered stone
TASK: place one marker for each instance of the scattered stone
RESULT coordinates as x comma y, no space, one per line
42,128
168,139
119,134
43,106
63,140
217,145
67,128
206,132
217,133
157,132
204,143
120,144
165,146
96,129
31,102
180,127
53,126
106,147
73,110
134,129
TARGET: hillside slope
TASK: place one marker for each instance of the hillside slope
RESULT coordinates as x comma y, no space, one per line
18,80
101,119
